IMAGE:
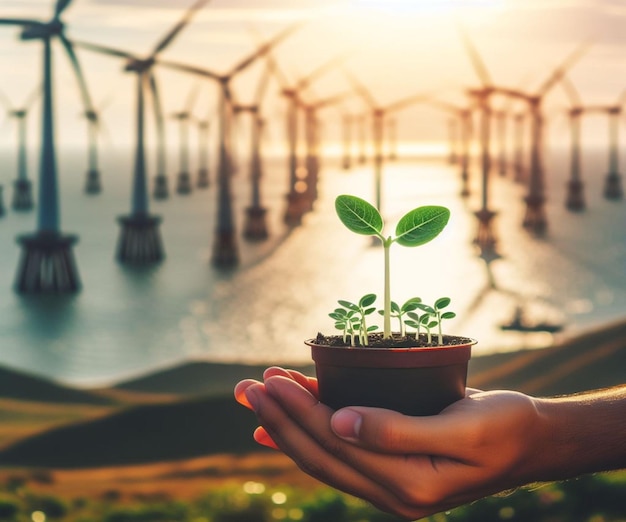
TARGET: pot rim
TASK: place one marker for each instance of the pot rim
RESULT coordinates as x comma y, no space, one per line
415,357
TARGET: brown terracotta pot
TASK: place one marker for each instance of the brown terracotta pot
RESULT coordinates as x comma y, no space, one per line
413,381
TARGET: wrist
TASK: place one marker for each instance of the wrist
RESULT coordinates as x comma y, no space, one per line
580,434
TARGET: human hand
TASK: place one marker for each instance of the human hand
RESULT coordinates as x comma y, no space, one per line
409,466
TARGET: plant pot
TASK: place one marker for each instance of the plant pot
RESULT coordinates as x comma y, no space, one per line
413,381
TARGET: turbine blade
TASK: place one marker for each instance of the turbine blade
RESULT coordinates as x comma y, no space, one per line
158,108
571,91
36,93
265,48
4,100
410,100
448,107
332,100
18,21
82,84
321,70
192,69
360,89
262,86
567,64
169,37
477,62
103,49
192,97
61,5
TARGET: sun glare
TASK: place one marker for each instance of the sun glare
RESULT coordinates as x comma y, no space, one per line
425,6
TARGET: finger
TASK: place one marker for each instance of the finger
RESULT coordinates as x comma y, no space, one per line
240,392
312,457
391,432
262,437
310,383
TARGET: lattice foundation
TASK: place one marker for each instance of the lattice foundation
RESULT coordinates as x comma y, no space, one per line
225,251
575,196
93,184
22,195
613,186
203,178
161,190
256,225
139,242
183,185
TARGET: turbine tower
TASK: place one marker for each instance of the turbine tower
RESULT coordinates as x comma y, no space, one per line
22,187
204,126
535,218
297,203
378,115
575,200
47,263
140,240
93,185
255,227
462,116
183,117
225,252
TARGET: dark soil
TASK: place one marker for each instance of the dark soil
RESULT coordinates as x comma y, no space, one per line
376,340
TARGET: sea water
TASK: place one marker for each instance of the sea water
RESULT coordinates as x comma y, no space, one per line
128,321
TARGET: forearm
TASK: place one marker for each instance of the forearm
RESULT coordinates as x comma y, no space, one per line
581,433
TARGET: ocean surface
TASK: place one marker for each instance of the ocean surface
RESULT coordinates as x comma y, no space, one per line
126,322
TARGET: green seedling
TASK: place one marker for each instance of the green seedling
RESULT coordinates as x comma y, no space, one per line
400,311
352,318
436,313
417,227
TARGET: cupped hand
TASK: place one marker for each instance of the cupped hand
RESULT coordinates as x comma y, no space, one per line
409,466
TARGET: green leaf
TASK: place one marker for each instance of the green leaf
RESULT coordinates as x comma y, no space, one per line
340,326
369,310
432,324
426,308
413,315
394,307
339,311
412,324
381,312
367,300
409,306
424,319
358,215
371,328
442,302
348,305
448,315
336,317
421,225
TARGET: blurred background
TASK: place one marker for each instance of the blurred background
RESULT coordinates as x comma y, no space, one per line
146,268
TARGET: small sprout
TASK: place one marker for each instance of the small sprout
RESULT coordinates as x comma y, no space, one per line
400,311
351,318
440,304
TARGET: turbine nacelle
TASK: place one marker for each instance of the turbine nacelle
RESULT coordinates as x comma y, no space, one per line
139,65
18,113
38,30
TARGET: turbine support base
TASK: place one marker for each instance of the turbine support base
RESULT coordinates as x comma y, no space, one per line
47,264
575,196
183,185
93,185
295,208
203,178
22,195
485,237
160,187
255,228
139,242
535,216
225,251
613,186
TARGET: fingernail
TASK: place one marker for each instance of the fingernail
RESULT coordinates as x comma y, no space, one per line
346,424
253,398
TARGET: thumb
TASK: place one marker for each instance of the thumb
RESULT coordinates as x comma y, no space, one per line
388,431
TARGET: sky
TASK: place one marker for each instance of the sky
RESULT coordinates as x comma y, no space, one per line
396,48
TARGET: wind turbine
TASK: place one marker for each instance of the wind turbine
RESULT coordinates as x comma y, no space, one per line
204,126
392,141
140,239
93,184
485,237
362,130
575,200
378,115
347,121
519,120
613,185
297,203
462,115
22,187
535,218
312,139
47,263
225,252
255,227
183,117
